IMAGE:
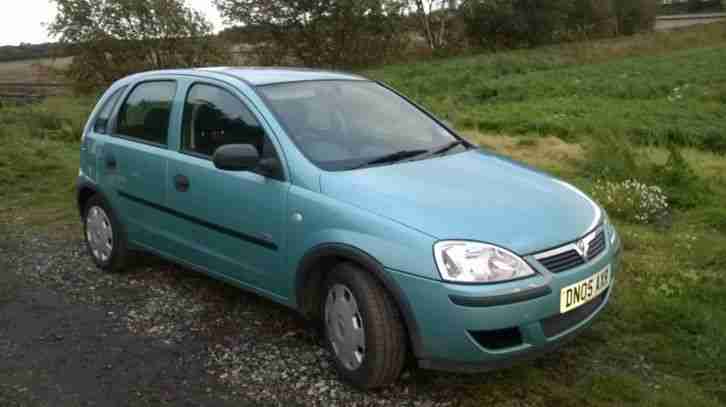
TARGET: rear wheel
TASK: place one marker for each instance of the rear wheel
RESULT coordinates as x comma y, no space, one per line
105,239
363,328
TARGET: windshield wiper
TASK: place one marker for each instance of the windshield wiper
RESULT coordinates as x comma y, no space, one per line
393,157
446,148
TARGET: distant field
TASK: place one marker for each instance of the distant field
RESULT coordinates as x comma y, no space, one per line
652,88
35,70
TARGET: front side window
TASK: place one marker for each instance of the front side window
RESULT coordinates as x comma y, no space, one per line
101,123
342,125
214,117
145,114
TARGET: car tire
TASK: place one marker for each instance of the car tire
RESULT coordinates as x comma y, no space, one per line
354,300
104,235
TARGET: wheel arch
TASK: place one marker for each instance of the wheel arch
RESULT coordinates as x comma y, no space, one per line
320,260
84,191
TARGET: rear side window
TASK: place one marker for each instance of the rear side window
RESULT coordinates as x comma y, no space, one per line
145,114
102,120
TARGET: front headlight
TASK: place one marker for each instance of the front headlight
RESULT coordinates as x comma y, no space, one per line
472,262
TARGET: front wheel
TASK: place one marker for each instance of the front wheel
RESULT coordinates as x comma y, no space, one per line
362,328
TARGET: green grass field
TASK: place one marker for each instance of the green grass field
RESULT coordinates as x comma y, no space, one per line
596,112
653,88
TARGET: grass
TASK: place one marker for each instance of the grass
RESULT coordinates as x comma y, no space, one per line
39,159
661,341
655,89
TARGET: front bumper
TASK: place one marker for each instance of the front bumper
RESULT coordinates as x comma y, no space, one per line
476,328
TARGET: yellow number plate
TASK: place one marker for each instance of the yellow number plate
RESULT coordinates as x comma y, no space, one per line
581,293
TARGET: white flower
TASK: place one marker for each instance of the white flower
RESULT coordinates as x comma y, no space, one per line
632,199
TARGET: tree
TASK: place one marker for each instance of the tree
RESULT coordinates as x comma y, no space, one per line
110,39
513,23
635,15
322,33
594,17
433,16
694,6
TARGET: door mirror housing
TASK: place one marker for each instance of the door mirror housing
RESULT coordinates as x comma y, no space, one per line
236,157
272,168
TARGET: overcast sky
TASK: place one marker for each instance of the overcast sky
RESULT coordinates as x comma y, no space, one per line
22,20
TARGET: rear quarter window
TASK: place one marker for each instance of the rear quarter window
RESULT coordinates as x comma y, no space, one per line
101,123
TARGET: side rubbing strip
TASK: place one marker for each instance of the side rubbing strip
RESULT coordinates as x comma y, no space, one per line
217,228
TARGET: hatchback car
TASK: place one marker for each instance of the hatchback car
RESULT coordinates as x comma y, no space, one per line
340,198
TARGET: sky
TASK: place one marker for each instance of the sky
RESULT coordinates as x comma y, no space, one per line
23,20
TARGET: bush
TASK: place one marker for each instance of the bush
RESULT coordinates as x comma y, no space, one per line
631,200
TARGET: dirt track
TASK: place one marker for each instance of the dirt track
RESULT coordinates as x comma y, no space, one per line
666,23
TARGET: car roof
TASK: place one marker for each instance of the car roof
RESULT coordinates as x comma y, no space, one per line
267,76
259,76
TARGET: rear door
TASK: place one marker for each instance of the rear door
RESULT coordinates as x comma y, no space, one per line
229,222
133,160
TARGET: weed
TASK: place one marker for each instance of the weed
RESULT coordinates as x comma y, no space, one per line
611,157
684,187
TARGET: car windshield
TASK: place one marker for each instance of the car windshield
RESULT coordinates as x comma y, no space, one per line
341,125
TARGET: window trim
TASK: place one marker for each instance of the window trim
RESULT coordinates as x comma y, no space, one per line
171,113
118,94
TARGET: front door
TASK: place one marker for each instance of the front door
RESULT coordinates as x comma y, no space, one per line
231,223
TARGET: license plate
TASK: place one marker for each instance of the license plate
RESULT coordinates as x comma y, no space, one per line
581,293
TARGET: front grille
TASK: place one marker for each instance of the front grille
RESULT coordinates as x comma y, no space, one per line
563,261
568,256
559,323
597,245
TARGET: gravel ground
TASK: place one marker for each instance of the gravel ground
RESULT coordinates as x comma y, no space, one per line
73,335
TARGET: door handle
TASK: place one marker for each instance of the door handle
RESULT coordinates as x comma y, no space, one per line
110,162
181,183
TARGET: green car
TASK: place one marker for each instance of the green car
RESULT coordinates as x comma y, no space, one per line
340,198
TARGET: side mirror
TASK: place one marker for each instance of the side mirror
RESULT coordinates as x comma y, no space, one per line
236,157
271,167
